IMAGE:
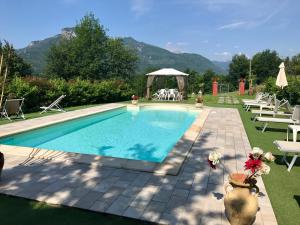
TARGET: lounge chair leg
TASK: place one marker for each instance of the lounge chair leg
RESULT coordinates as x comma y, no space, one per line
265,126
284,158
255,117
292,162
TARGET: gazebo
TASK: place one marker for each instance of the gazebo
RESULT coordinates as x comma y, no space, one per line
180,77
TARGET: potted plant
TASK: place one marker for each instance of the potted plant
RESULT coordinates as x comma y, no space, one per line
134,99
241,205
1,163
199,100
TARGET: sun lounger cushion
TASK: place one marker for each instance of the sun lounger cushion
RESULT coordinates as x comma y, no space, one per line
275,120
288,146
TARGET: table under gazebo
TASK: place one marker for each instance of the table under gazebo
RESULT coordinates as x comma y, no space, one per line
180,77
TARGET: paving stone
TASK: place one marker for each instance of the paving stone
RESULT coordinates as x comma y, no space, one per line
162,195
133,212
181,193
119,206
88,200
54,187
111,194
99,206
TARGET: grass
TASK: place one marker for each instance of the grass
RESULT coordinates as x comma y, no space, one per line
17,211
37,114
283,187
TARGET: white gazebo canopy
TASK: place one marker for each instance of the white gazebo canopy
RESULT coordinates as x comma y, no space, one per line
167,72
180,77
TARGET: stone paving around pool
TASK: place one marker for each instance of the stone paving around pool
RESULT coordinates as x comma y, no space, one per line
194,196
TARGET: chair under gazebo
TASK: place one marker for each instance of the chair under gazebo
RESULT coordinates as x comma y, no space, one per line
180,77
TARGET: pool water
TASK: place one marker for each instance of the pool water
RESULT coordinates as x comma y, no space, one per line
148,134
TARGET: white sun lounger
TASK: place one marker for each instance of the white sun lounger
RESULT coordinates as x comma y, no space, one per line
275,111
258,98
263,104
54,106
288,147
295,119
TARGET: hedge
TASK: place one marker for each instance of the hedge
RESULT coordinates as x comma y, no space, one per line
40,91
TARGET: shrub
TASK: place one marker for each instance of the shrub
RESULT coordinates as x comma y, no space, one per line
40,91
291,92
20,88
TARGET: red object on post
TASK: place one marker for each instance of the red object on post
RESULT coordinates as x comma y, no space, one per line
215,88
242,87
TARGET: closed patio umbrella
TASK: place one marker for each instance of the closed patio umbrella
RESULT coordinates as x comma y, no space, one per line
281,77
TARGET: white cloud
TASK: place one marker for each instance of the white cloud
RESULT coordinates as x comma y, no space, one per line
264,13
177,47
141,7
232,25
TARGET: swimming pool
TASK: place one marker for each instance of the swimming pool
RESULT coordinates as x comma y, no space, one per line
147,134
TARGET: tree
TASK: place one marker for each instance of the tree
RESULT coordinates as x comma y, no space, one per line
17,66
208,77
265,64
194,81
90,54
238,68
11,65
295,65
121,60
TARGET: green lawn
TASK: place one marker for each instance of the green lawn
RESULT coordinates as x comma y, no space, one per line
283,187
18,211
37,114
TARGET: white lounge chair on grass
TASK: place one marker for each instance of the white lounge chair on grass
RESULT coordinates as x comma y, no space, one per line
295,119
258,98
288,147
276,111
13,107
263,104
54,106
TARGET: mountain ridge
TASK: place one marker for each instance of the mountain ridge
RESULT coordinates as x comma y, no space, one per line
149,55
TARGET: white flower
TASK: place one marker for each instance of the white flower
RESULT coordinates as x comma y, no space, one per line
257,152
214,157
264,169
269,157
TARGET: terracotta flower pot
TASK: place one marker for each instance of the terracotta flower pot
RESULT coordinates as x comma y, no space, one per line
1,163
241,204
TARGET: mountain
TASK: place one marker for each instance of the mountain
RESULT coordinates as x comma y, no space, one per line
149,55
153,56
35,53
223,65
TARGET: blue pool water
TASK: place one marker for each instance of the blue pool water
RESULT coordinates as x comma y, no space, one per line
148,134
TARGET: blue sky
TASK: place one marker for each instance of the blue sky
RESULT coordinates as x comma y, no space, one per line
216,29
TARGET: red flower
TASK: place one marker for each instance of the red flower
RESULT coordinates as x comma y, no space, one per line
211,164
252,164
134,97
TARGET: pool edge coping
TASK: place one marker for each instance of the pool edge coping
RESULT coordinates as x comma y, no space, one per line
171,165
